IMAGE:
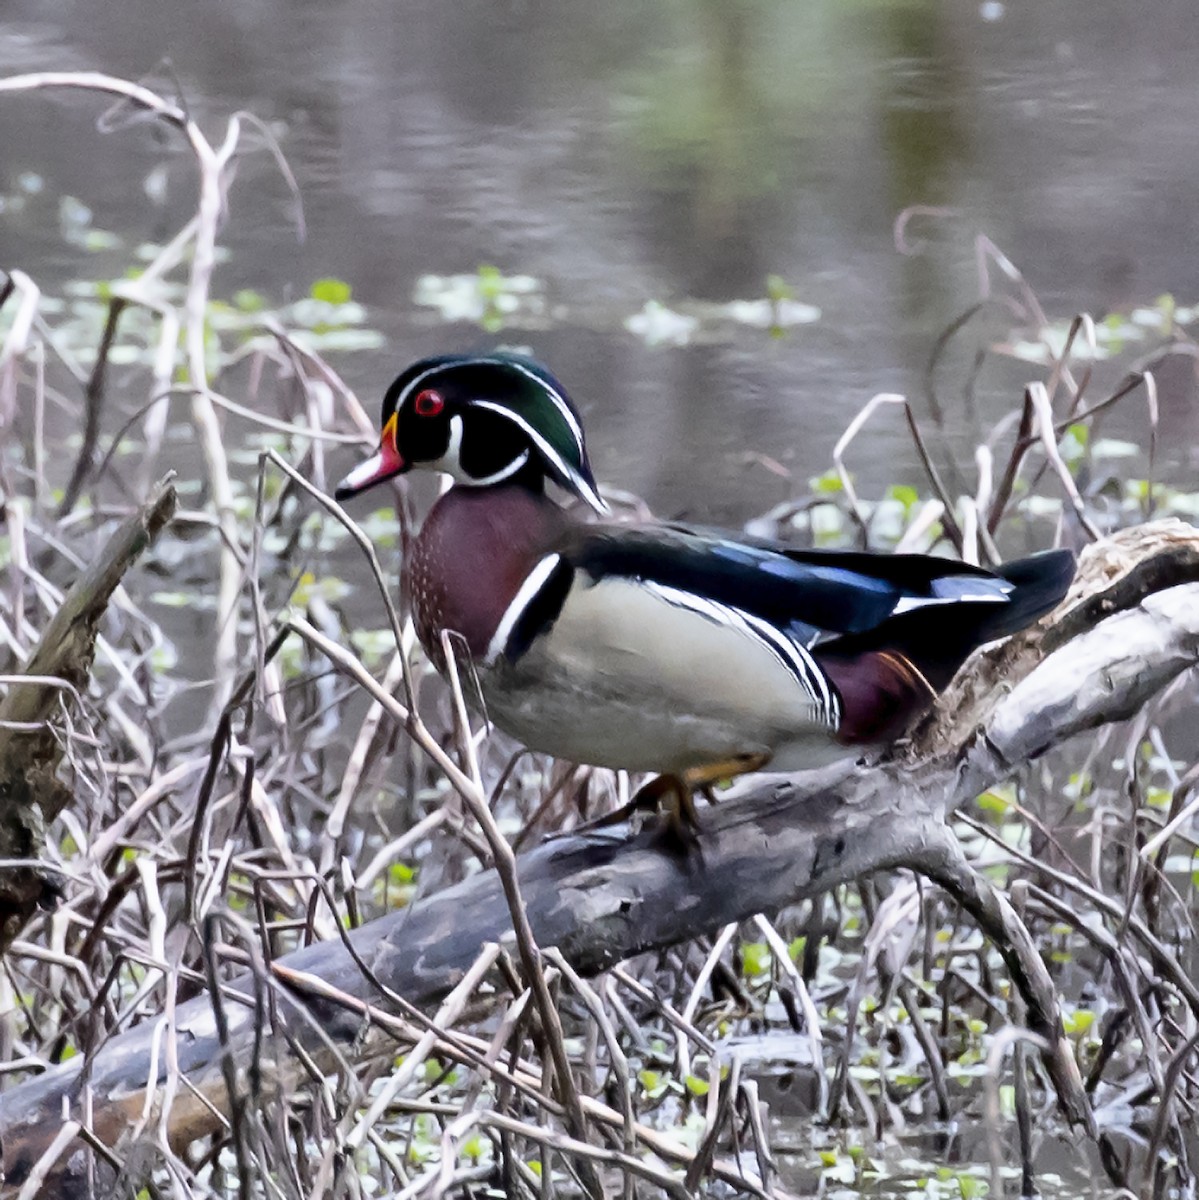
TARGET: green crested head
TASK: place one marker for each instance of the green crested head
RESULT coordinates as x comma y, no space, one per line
484,420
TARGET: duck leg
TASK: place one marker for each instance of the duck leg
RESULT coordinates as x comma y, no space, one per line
705,778
673,795
648,798
670,795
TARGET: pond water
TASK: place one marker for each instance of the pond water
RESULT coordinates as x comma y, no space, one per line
646,167
678,153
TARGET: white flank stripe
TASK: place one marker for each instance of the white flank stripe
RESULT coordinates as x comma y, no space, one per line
801,662
790,654
534,582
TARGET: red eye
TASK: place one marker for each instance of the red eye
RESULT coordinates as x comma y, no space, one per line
428,403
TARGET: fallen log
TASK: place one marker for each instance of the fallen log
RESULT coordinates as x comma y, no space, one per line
603,897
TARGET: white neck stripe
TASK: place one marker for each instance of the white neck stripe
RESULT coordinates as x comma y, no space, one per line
536,579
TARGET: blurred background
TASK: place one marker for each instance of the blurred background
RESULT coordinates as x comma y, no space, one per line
626,173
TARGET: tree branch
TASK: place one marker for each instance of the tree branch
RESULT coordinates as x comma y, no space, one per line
30,750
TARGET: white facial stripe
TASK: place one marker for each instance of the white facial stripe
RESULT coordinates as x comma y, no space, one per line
453,451
517,419
589,493
403,396
500,475
449,461
559,400
526,593
790,654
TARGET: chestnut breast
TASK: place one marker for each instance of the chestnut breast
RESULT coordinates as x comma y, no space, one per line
473,552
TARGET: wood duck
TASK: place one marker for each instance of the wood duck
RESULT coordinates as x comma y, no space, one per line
688,652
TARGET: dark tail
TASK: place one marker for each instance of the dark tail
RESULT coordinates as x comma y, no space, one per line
888,676
938,643
1041,580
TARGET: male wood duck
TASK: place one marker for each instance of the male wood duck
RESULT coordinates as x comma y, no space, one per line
688,652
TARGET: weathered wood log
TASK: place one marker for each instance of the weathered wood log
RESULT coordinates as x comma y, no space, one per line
603,897
31,795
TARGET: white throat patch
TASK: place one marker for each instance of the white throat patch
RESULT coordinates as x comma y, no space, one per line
451,461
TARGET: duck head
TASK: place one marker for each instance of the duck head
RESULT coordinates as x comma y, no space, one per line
483,420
